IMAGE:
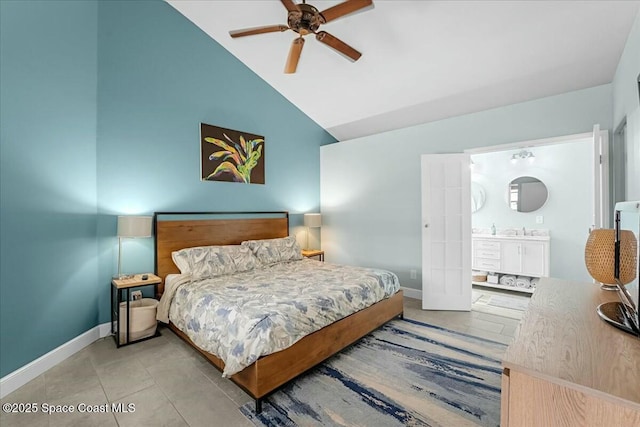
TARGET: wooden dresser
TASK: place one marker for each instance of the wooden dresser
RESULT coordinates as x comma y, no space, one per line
566,366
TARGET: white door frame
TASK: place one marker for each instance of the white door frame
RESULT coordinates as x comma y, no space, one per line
531,143
601,165
600,177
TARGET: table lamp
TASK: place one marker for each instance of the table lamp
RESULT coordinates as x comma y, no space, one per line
599,257
312,220
131,227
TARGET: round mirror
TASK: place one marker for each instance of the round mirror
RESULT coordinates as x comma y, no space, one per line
478,196
527,194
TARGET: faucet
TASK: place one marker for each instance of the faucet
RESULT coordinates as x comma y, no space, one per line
524,232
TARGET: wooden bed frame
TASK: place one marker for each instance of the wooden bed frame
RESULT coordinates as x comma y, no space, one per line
272,371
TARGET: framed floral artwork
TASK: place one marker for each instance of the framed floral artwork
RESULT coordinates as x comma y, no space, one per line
231,155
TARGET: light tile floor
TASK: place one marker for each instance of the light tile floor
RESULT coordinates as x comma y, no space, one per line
170,384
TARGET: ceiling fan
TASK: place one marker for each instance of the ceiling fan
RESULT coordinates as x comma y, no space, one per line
305,19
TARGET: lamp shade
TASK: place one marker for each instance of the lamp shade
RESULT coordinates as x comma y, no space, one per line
313,220
134,226
599,255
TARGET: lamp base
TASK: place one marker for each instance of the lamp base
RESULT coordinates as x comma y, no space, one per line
606,287
122,276
615,314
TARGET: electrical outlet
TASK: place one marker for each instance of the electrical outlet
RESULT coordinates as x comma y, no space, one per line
136,295
412,274
539,219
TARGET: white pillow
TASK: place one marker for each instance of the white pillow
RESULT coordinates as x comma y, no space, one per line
211,261
272,251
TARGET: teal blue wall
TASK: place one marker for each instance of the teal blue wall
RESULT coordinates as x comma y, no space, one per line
48,265
159,78
101,106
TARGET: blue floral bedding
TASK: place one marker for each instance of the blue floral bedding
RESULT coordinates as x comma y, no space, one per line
243,316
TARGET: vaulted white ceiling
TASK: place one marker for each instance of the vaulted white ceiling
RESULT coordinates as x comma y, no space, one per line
426,60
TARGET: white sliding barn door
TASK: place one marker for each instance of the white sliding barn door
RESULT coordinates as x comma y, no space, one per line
446,232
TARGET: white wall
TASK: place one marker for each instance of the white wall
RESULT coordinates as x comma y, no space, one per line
566,169
370,187
626,104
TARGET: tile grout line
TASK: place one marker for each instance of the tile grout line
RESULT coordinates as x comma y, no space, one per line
163,393
201,357
95,370
217,386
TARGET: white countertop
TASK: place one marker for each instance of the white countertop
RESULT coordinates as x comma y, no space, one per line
504,237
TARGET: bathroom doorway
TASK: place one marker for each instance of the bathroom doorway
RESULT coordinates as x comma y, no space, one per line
571,172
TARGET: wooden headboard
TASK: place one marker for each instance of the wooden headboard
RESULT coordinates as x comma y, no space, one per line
203,229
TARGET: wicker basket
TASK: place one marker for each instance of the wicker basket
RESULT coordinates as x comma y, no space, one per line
143,319
478,276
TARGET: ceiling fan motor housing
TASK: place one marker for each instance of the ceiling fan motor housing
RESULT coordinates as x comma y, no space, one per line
307,20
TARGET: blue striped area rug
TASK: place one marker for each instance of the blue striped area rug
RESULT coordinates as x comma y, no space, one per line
405,373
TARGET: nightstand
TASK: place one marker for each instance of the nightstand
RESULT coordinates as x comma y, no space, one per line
125,286
310,253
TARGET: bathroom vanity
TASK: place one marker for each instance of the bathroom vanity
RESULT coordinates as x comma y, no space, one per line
515,255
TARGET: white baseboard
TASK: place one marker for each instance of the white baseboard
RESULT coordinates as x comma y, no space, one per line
21,376
412,293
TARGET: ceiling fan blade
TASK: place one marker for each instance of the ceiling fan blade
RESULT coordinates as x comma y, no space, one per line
345,8
258,30
294,56
290,5
338,45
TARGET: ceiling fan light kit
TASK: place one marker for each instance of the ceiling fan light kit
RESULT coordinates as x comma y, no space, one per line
305,19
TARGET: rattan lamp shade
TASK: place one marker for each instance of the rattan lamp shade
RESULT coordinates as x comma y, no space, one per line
599,255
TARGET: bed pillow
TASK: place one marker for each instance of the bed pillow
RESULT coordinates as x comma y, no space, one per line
272,251
212,261
244,259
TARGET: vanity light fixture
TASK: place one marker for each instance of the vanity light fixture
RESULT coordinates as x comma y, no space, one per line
523,155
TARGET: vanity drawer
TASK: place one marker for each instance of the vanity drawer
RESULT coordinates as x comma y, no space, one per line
487,264
487,253
484,244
